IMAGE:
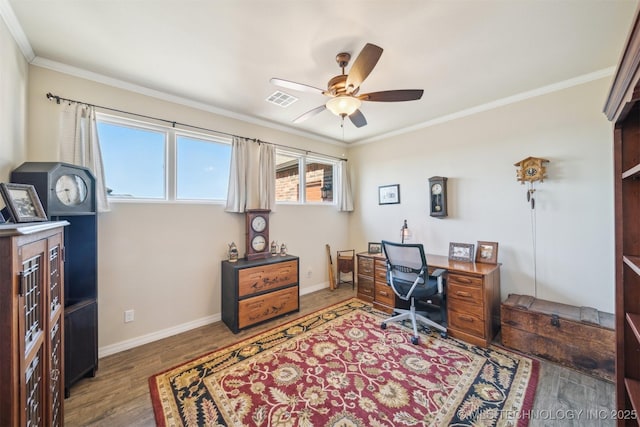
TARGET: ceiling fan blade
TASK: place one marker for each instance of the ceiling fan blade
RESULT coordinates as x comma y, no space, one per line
362,66
309,114
392,95
296,86
357,118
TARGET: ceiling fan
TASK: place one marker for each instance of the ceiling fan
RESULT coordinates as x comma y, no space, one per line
343,89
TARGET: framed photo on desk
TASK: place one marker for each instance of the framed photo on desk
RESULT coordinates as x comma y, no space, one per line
487,252
461,251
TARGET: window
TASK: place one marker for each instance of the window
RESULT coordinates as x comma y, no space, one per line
143,161
317,180
202,169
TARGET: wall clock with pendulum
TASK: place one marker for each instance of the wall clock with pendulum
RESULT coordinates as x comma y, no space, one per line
257,233
438,196
530,170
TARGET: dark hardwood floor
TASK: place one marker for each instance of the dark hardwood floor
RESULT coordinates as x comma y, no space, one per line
119,393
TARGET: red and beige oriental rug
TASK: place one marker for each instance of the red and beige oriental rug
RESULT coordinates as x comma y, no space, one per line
337,367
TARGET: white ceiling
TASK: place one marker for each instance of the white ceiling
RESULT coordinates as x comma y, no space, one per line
222,53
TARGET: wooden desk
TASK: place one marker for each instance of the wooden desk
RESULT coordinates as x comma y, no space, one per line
473,294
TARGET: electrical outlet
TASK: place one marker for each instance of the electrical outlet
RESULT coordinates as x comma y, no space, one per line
309,272
129,316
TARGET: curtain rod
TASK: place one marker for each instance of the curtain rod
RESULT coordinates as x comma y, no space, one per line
52,97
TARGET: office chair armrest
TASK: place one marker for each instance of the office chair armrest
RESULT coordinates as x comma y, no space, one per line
438,273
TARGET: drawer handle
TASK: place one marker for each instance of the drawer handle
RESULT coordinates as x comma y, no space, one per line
466,318
383,293
463,294
463,280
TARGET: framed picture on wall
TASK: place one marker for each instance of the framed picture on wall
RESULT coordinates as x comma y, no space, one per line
461,251
487,252
389,194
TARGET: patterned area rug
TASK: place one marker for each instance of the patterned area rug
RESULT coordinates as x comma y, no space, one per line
337,367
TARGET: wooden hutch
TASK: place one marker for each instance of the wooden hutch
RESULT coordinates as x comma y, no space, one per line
623,109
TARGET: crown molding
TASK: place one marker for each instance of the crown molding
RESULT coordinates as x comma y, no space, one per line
9,18
544,90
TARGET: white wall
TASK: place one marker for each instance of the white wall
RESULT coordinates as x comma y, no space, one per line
13,105
163,259
574,206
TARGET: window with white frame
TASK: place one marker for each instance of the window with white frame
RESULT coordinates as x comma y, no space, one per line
149,162
315,185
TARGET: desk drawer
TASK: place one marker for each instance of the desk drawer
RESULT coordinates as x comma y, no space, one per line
365,287
365,266
466,322
470,294
384,295
463,280
475,309
380,271
263,307
266,277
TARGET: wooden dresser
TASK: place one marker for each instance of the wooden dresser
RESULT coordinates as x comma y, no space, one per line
473,294
32,324
259,290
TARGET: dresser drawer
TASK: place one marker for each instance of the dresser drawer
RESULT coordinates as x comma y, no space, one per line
466,322
266,277
365,266
385,295
470,294
365,287
256,309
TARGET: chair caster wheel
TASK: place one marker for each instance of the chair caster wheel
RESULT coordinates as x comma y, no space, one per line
414,340
383,326
443,334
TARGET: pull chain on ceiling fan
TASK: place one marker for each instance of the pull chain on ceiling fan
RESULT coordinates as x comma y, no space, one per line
343,89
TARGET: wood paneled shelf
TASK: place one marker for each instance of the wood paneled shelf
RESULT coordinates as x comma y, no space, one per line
623,109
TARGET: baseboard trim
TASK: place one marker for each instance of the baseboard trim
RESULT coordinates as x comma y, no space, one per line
108,350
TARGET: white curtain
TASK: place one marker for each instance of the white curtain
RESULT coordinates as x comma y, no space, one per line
252,176
267,178
79,145
344,197
237,190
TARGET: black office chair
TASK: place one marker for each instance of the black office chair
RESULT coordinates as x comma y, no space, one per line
407,274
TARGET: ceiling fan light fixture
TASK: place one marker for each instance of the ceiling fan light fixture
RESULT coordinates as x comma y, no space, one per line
343,105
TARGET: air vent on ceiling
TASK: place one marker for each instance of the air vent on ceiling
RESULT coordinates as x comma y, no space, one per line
281,99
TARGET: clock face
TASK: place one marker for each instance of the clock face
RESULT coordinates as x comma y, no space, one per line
436,188
259,224
258,243
71,190
531,171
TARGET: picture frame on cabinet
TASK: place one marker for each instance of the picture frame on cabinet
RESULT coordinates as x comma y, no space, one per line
461,251
23,202
375,248
389,194
487,252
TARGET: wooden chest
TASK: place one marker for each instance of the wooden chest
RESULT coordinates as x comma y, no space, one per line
259,290
582,338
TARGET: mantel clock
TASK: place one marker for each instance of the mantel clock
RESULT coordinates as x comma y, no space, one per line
257,235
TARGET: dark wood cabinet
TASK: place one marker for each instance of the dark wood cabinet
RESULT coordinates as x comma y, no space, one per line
32,324
81,268
623,109
254,291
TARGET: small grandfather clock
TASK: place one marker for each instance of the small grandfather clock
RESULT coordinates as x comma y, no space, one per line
438,196
68,192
